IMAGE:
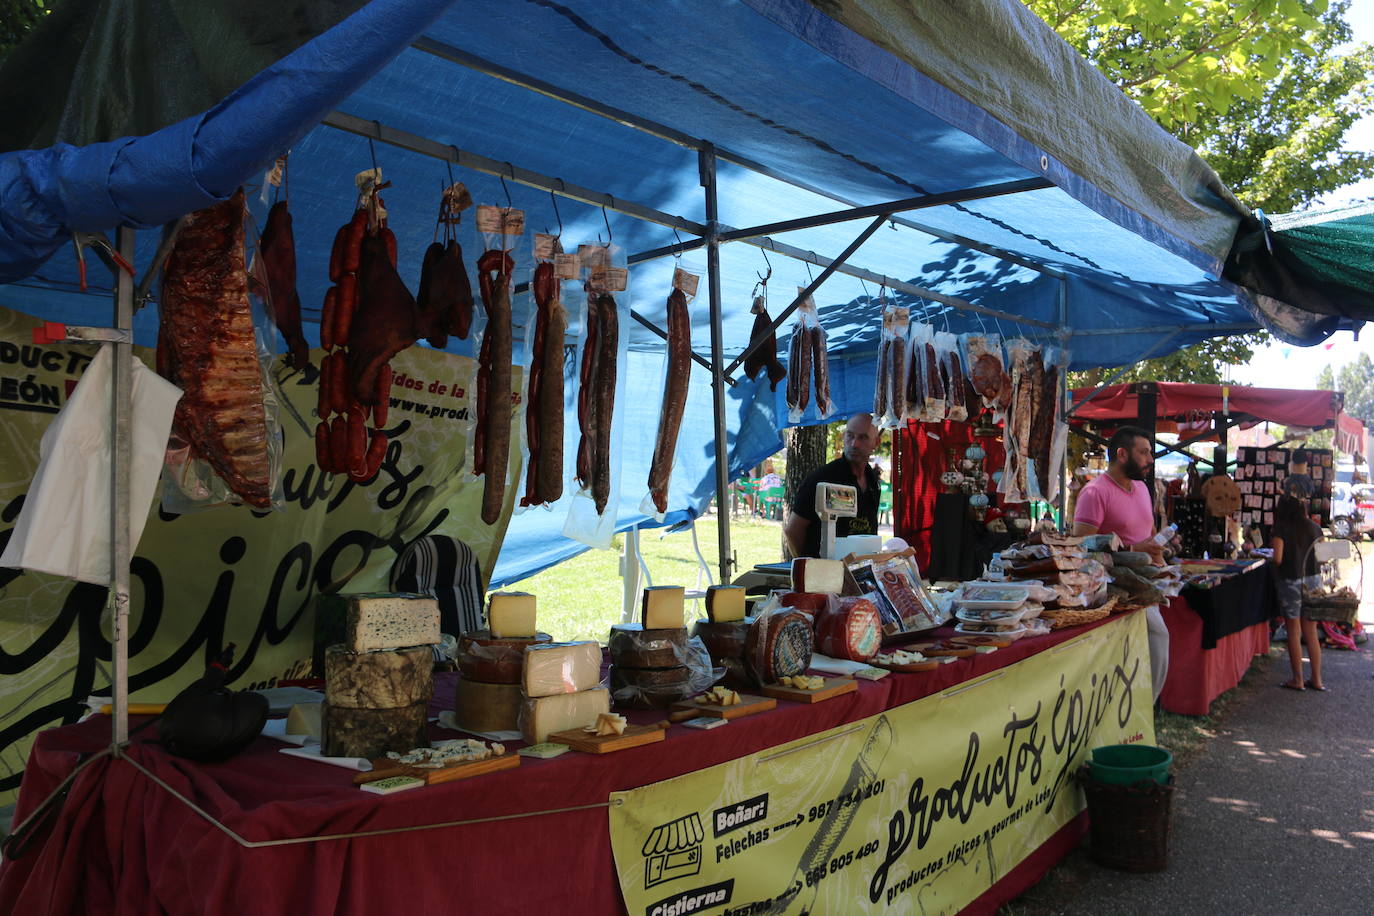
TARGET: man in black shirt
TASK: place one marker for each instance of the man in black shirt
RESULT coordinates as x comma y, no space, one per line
803,528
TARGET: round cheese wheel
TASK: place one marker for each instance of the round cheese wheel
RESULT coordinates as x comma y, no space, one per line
346,732
482,707
649,688
724,640
632,646
851,631
779,645
386,679
811,602
491,660
736,674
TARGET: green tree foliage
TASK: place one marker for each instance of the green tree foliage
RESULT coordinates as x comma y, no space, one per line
1356,379
1256,86
17,19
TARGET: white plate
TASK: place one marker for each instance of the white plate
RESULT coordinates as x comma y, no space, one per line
992,596
1000,618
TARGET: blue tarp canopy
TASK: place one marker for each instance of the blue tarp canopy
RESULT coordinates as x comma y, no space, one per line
1039,201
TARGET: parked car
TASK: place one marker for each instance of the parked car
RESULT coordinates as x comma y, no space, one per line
1346,520
1364,504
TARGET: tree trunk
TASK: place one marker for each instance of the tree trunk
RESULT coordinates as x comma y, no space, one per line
806,452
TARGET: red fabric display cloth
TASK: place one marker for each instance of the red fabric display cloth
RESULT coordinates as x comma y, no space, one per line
1197,676
122,844
1289,407
923,458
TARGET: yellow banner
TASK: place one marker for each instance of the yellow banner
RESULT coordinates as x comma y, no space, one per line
919,809
231,574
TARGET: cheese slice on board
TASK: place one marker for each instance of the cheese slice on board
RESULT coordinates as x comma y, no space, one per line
725,603
542,716
511,615
824,577
304,719
561,667
664,607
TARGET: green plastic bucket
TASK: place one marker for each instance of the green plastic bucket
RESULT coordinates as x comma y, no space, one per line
1128,764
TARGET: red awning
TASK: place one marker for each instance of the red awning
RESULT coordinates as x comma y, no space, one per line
1288,407
1350,436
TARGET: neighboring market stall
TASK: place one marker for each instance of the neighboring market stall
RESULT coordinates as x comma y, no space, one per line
629,136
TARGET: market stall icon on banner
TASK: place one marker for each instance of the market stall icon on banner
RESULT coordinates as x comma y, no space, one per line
673,850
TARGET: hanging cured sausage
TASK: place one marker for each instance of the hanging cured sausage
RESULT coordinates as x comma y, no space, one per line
674,397
544,410
491,452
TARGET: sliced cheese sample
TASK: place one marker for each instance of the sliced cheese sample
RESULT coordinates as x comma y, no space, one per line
304,719
378,680
378,620
542,716
823,577
608,723
663,607
561,667
480,707
510,615
725,603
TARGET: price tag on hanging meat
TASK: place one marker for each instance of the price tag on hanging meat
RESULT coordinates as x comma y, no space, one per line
686,281
500,220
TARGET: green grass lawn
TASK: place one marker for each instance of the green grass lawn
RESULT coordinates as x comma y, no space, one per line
580,598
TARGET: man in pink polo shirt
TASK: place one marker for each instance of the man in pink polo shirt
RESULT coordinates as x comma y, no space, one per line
1118,502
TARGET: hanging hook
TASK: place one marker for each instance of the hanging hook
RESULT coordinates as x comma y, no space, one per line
809,278
867,295
449,165
764,278
610,237
677,253
372,149
557,215
509,205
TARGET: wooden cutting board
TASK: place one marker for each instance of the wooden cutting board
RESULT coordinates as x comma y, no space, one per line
747,706
927,665
384,767
834,687
936,649
587,743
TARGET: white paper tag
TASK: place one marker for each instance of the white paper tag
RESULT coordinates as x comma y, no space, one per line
594,256
567,266
685,281
546,246
608,279
500,220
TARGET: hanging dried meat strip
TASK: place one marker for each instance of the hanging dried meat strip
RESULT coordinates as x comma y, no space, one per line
207,347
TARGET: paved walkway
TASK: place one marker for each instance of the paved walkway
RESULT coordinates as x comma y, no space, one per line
1275,815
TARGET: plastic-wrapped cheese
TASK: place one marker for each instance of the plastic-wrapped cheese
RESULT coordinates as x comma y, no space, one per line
649,688
632,646
779,645
486,658
723,640
511,615
542,716
561,667
663,607
725,603
825,577
853,630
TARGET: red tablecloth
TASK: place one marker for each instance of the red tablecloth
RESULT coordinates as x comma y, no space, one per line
1197,676
123,844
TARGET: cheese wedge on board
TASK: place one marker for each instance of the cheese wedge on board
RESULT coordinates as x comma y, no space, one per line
542,716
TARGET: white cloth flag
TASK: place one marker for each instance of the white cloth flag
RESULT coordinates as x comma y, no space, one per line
64,527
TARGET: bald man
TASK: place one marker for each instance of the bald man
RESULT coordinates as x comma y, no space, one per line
803,529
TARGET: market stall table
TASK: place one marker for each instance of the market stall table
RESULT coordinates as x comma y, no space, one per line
1214,634
510,841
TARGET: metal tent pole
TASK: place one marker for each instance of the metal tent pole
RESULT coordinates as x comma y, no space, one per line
706,160
121,408
1064,402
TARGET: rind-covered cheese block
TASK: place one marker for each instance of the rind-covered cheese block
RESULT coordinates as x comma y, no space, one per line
374,620
724,639
378,680
810,602
483,657
853,630
542,716
662,607
632,646
649,688
370,733
725,603
561,667
482,707
511,615
779,645
810,574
